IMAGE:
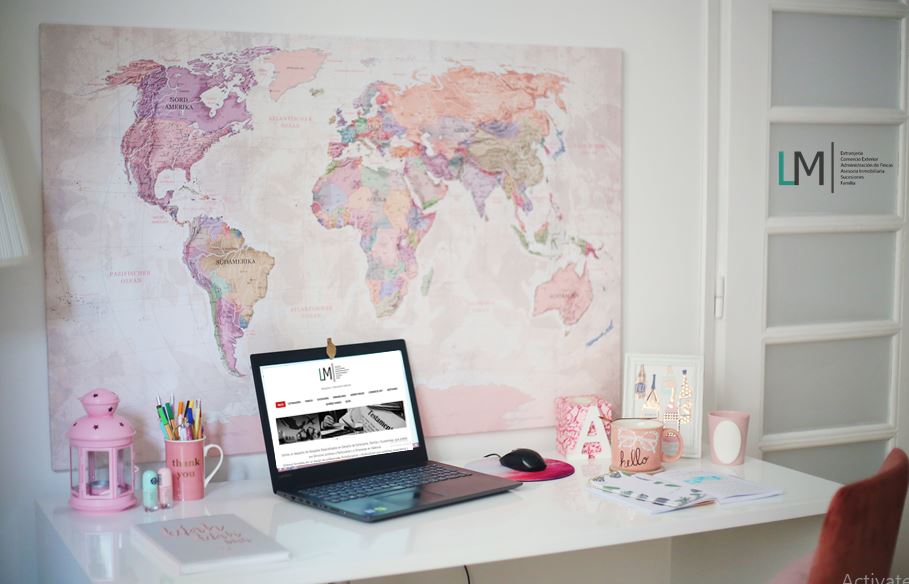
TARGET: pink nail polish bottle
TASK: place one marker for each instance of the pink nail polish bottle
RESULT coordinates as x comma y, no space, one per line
165,488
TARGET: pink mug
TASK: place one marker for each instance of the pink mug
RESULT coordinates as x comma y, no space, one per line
186,461
637,445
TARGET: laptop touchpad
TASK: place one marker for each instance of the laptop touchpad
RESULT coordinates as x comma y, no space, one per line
409,496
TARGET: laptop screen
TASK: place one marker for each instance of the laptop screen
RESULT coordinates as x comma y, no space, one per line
323,411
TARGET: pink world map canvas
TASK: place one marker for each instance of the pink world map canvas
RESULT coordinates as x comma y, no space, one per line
210,194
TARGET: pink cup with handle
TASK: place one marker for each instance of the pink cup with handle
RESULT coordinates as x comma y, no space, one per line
637,445
186,461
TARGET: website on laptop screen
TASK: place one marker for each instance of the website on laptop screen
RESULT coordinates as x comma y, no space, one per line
340,409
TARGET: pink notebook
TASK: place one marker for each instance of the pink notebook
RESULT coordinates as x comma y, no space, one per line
200,544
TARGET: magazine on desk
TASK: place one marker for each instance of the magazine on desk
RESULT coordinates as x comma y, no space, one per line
725,488
678,489
652,496
200,544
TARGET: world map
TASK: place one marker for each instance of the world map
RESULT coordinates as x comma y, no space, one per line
210,195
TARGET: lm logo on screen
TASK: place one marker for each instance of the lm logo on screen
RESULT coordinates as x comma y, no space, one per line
331,373
326,373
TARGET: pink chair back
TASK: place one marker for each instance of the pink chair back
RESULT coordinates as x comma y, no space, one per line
860,530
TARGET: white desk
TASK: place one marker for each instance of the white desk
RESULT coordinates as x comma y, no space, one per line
535,519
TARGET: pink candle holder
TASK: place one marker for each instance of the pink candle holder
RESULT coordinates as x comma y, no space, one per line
728,437
102,474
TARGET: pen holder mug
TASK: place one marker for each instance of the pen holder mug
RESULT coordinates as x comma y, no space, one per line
637,445
186,461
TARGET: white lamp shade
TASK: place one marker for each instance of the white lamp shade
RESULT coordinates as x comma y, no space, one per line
13,244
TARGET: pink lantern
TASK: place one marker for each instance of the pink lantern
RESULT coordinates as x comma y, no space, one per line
102,475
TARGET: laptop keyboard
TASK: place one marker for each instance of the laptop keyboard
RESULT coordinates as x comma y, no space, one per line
375,484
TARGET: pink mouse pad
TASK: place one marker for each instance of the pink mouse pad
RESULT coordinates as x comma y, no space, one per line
555,469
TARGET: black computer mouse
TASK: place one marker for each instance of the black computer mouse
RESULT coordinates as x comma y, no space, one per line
524,459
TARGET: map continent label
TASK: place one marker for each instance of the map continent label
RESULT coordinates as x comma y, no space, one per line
234,275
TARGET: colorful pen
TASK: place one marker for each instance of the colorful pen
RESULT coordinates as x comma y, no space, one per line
165,428
197,425
160,407
169,410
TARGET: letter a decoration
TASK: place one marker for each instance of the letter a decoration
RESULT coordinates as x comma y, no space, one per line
581,426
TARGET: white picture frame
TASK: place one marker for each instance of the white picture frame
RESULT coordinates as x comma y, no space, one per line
673,392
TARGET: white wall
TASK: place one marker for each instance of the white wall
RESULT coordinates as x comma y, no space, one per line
663,215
